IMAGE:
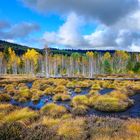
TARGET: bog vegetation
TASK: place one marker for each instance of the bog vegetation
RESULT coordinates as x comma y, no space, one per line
68,108
64,109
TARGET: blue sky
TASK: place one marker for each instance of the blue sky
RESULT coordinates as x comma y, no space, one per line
71,24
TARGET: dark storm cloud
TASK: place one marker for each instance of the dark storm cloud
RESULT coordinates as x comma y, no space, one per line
19,31
107,11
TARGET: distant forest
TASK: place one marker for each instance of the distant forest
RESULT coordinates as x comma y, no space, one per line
20,49
18,59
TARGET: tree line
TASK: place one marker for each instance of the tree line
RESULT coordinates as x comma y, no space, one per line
87,65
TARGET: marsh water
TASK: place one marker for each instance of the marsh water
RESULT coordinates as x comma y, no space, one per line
133,111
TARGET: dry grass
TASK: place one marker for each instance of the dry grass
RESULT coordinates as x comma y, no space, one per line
54,110
19,115
80,100
72,129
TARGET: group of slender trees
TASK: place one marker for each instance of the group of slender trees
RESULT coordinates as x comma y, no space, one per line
76,64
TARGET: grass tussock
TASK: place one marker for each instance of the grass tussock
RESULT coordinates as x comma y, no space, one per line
54,110
72,129
110,104
77,90
5,97
80,100
61,97
19,115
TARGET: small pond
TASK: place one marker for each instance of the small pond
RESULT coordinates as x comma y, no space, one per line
1,88
105,91
133,111
48,99
31,104
29,84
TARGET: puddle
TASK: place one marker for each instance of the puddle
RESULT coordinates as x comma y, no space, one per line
29,84
133,111
105,91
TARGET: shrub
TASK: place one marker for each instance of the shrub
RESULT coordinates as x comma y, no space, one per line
50,122
96,87
136,87
60,82
82,84
6,107
72,129
93,99
35,99
118,95
49,91
21,85
40,132
25,93
36,92
77,90
133,127
61,97
5,97
10,89
43,87
93,92
60,89
66,116
16,97
54,110
19,115
80,100
105,128
80,110
110,104
22,100
70,85
12,131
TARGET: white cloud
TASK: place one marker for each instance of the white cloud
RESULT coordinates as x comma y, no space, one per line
68,34
135,48
124,34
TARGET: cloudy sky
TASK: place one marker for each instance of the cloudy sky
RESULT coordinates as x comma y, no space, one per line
76,24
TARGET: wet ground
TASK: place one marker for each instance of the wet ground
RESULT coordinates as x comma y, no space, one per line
133,111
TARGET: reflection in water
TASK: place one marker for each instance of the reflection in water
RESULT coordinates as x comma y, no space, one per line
1,88
29,84
105,91
44,100
133,111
